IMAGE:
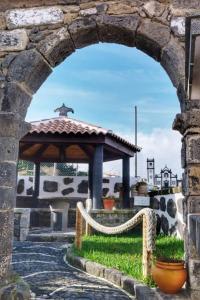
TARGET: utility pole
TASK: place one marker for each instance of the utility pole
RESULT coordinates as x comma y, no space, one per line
136,141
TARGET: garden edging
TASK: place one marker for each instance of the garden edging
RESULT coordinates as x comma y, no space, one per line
128,284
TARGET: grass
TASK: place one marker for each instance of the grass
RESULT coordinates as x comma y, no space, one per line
125,252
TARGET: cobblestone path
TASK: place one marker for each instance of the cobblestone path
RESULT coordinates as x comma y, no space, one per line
43,268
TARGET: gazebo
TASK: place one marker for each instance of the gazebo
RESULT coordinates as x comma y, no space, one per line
63,139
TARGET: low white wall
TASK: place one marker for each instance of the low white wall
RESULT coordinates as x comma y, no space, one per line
66,186
169,209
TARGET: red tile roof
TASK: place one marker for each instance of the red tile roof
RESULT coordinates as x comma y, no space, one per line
68,125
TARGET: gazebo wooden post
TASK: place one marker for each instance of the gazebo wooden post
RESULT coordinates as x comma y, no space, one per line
90,178
97,177
37,183
126,182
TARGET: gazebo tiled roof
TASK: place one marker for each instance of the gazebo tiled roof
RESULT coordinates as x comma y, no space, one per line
68,125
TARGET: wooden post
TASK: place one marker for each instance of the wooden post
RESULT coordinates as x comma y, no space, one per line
126,182
146,255
37,184
97,177
79,224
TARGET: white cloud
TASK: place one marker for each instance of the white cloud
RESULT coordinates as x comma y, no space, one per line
164,145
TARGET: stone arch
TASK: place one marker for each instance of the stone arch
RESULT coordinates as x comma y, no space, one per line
30,47
26,71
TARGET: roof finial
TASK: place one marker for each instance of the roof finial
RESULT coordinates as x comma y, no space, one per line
64,110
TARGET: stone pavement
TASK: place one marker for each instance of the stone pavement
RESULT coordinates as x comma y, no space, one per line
42,266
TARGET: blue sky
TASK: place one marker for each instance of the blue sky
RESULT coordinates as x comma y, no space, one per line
103,83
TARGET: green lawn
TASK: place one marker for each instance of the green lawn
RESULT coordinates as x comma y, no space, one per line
125,252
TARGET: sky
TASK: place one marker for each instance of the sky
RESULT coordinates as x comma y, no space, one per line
103,83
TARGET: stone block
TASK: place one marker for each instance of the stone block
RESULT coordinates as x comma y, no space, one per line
7,174
88,12
171,208
5,260
164,224
76,261
113,275
12,126
2,21
194,273
193,177
173,61
128,284
50,186
117,29
30,69
34,16
7,197
193,148
56,47
120,8
70,17
83,32
193,204
68,180
67,191
83,187
143,292
194,234
6,232
20,186
9,149
152,37
14,40
154,203
95,269
15,100
183,154
178,26
154,9
185,4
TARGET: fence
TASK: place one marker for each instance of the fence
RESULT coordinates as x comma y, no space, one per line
49,169
84,223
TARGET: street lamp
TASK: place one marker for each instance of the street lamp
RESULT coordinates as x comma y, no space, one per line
193,57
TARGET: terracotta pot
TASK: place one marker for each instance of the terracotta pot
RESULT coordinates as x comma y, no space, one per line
108,203
169,276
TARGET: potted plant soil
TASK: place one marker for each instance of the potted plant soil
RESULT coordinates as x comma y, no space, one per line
109,202
169,274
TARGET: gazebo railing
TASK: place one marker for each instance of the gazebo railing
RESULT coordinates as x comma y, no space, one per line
84,223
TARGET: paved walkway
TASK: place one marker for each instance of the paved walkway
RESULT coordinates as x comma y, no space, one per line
43,268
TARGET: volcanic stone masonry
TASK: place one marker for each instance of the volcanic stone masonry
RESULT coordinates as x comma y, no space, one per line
37,35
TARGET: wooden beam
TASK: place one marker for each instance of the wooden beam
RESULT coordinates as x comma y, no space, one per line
24,147
119,146
62,153
88,152
40,151
63,139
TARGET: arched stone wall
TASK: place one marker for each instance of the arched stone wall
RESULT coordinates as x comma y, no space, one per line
37,35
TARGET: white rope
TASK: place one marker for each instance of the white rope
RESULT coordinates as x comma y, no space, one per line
147,212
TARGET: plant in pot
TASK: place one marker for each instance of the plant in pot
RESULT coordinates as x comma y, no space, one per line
109,202
169,273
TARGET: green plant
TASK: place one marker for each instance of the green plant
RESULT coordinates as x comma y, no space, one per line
124,252
175,249
110,197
